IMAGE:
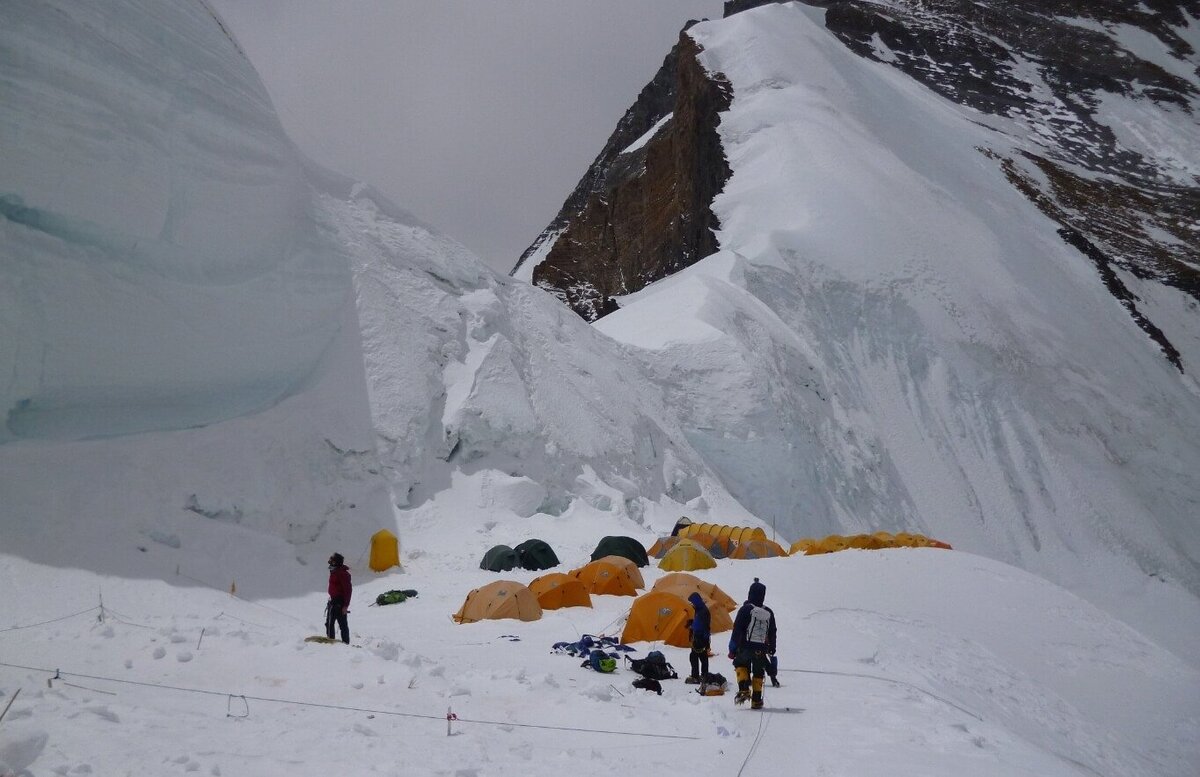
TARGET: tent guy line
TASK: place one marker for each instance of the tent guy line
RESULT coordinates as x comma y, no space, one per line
58,674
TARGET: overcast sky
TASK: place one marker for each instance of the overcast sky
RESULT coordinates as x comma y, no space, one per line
479,116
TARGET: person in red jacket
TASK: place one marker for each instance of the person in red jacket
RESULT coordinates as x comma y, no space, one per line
338,609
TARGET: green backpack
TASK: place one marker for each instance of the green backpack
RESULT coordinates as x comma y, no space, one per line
392,597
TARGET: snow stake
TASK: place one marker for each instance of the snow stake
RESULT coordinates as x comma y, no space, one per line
449,717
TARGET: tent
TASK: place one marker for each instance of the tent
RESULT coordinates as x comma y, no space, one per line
662,616
831,544
385,551
658,616
686,555
717,547
661,546
500,558
801,546
603,577
683,584
755,549
734,533
536,554
557,590
501,599
622,546
629,567
865,542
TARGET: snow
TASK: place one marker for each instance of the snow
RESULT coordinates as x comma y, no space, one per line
650,133
905,661
225,391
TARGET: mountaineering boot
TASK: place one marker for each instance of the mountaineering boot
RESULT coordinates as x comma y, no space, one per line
692,680
774,682
743,681
756,697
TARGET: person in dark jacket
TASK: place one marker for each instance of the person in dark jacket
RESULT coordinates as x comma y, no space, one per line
701,626
752,645
338,609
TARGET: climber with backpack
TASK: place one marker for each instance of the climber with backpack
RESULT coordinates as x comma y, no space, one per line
701,629
752,645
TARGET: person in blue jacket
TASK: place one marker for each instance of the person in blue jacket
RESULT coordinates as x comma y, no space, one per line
752,645
701,626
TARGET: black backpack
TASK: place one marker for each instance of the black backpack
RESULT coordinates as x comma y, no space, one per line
654,666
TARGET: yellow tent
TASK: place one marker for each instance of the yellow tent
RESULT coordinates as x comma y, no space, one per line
604,577
686,555
658,616
630,568
557,590
385,551
498,600
682,584
734,533
886,539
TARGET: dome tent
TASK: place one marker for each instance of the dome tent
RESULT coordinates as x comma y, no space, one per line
536,554
755,549
603,577
557,590
717,547
385,551
498,600
500,558
630,569
622,546
681,584
686,555
662,545
658,616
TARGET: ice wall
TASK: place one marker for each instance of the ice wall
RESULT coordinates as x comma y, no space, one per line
158,269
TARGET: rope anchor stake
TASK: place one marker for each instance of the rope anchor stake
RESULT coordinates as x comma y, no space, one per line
450,716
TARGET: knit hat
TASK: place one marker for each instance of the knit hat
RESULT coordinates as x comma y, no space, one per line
337,560
758,592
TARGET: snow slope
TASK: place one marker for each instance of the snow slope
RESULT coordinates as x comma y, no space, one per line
878,347
903,661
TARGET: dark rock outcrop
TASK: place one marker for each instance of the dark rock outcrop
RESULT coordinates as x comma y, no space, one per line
640,214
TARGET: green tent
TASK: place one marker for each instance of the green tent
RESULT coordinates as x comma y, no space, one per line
499,559
626,547
536,554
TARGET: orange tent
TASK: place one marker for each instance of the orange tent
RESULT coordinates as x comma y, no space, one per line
886,539
498,600
830,544
754,549
604,577
661,546
557,590
717,547
801,546
682,584
865,542
734,533
630,567
658,616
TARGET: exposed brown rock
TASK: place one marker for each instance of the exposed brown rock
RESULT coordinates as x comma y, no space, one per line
637,217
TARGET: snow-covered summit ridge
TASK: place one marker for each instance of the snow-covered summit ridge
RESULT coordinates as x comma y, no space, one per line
894,336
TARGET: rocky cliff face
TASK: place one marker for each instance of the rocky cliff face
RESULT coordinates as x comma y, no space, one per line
641,212
1082,86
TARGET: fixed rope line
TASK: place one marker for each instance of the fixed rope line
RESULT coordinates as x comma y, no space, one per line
54,620
59,674
235,596
762,729
888,680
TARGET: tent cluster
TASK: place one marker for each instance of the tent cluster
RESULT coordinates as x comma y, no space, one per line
614,571
697,546
876,541
530,554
